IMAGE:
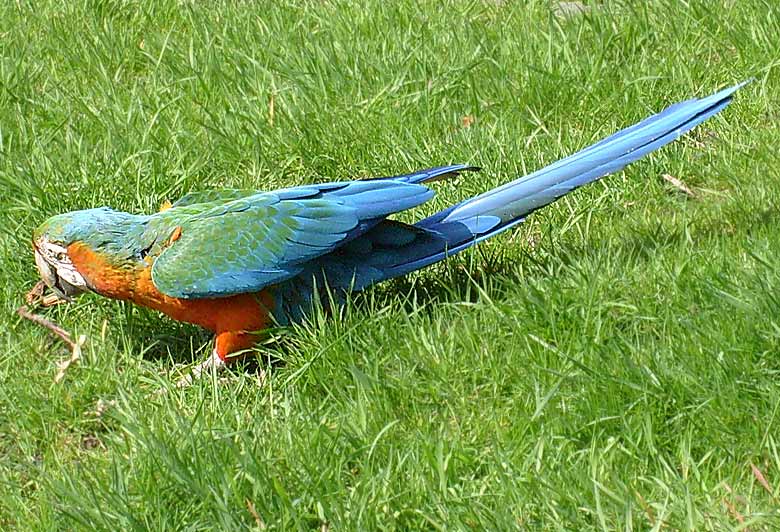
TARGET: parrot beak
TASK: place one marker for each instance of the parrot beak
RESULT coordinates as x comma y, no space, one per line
48,272
49,276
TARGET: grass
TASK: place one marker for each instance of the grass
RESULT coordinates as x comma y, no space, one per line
614,363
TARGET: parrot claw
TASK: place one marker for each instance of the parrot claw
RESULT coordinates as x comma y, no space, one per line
214,362
38,296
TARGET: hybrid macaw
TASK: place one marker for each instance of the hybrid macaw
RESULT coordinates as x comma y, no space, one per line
237,261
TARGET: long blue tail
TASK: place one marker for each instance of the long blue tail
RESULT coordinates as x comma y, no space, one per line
499,209
390,249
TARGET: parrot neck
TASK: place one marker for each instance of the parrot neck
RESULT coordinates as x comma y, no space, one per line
110,250
104,274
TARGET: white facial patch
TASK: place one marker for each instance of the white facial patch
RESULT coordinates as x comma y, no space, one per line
54,256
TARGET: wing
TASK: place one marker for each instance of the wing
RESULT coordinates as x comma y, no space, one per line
387,250
246,244
420,176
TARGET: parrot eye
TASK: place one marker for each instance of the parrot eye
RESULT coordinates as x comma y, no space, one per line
61,256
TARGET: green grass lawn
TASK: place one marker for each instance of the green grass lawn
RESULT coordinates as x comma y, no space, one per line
614,363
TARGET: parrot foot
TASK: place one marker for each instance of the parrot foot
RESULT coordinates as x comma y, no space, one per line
38,296
214,362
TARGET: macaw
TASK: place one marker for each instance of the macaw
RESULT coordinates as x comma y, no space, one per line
238,261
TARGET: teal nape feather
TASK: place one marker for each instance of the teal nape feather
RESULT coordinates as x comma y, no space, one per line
119,234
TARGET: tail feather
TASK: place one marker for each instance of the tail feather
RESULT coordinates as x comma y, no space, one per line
499,209
429,175
389,249
522,196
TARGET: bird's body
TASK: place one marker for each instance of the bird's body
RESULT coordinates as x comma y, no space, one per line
237,261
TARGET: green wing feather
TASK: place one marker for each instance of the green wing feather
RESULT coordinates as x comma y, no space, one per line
241,244
245,244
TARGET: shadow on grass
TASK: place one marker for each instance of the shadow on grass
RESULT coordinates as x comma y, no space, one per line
453,281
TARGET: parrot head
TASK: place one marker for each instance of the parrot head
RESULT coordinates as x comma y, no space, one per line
94,227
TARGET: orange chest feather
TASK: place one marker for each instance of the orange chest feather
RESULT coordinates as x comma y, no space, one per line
247,312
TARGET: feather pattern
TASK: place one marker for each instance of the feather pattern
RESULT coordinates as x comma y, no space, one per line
296,242
390,249
245,244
